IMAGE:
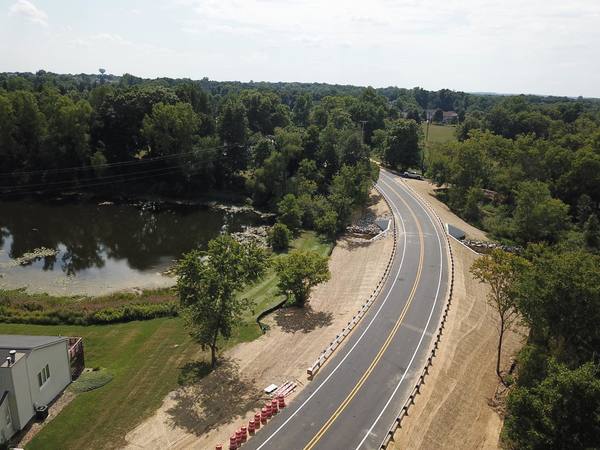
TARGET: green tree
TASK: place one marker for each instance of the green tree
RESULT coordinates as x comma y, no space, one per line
538,216
353,150
232,123
264,110
29,129
279,237
500,271
559,299
301,110
299,272
327,223
7,130
473,199
561,412
208,285
269,182
585,208
591,232
402,144
171,129
290,212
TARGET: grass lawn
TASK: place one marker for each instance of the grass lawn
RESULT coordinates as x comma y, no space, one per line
439,133
146,359
265,293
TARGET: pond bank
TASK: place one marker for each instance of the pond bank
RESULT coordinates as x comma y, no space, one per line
95,248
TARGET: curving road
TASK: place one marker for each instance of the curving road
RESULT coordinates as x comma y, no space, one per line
356,396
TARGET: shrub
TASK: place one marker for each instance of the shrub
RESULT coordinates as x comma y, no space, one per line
279,237
290,212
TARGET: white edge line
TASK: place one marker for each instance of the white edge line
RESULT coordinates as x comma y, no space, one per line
464,245
357,341
424,330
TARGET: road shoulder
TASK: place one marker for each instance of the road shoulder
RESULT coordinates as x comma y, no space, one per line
453,410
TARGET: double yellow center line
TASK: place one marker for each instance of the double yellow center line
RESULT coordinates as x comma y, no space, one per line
388,340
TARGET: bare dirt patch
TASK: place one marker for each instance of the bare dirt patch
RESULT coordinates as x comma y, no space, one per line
205,413
456,405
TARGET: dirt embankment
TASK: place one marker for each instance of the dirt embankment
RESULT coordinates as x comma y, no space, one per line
453,410
205,414
427,191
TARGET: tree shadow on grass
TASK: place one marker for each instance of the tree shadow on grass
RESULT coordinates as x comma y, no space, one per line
192,372
292,319
214,399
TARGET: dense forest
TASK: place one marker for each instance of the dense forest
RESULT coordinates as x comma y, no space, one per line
524,168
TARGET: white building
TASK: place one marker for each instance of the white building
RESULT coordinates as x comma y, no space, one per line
33,371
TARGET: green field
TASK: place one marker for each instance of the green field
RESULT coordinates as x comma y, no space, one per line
439,133
147,360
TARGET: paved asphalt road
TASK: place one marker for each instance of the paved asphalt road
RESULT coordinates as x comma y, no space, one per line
356,396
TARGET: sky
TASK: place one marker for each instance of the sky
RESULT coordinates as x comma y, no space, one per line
504,46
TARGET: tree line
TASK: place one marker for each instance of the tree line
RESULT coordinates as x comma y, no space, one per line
529,174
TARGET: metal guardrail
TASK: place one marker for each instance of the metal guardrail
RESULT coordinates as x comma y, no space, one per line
325,354
435,344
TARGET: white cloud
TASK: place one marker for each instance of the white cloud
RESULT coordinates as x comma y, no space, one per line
544,46
29,11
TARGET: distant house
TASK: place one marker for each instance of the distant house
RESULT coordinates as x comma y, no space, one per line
33,371
450,117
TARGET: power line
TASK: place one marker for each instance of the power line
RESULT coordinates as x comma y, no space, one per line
83,180
104,183
103,180
107,165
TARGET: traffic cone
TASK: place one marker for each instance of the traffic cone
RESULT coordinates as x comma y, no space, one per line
233,442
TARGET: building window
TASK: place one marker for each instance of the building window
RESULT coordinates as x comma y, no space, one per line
44,375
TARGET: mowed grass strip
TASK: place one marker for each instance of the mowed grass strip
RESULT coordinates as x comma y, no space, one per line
439,134
145,359
264,293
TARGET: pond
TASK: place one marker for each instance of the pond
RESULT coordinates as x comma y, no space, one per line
98,248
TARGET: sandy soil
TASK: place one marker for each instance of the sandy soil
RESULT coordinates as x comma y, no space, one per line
206,414
453,410
427,191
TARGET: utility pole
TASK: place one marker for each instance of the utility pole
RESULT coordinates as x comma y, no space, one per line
362,129
425,147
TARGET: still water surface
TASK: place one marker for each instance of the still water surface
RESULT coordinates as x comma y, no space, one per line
103,248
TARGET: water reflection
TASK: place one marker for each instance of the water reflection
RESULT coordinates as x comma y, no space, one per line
93,241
